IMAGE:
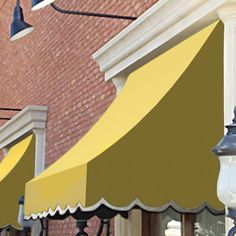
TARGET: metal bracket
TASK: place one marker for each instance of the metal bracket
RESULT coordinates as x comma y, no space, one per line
100,230
81,13
8,109
44,227
232,232
5,118
82,224
26,231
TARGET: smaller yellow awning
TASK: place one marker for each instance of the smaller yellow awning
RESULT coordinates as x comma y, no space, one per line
152,146
15,170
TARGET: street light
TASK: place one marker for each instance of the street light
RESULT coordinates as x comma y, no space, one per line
20,28
27,224
226,186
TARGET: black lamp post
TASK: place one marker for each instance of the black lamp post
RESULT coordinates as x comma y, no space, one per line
82,224
27,224
226,187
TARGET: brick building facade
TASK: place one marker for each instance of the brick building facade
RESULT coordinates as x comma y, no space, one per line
53,67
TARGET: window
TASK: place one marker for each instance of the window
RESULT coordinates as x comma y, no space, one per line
171,222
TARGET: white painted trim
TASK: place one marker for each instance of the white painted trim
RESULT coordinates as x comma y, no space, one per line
32,119
136,203
227,14
40,143
29,119
119,83
162,26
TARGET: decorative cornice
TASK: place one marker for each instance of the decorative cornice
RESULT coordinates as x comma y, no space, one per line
119,83
227,11
163,25
24,122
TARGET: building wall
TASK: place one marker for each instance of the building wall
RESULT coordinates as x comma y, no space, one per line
53,66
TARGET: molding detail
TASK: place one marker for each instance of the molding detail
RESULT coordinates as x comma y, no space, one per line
228,11
29,119
162,26
32,119
119,83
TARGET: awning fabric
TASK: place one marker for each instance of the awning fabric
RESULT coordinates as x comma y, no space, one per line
15,170
152,147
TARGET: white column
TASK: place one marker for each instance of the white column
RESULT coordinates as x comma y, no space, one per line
40,142
227,14
131,226
4,233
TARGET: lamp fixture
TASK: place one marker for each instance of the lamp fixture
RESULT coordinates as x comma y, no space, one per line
38,4
226,186
26,224
19,28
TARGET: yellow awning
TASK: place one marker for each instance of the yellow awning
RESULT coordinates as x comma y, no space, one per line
15,170
152,147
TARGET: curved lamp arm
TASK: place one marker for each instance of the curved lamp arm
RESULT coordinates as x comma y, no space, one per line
232,214
232,232
81,13
100,230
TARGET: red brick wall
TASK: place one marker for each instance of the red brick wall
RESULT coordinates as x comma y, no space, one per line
53,66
